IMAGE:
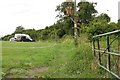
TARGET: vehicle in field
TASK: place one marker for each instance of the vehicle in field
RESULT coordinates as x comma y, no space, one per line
21,38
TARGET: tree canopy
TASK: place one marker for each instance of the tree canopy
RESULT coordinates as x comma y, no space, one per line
19,29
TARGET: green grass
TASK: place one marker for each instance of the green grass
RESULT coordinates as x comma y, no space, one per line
49,59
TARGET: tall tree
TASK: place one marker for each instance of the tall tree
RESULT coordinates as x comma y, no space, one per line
61,9
19,29
66,22
86,11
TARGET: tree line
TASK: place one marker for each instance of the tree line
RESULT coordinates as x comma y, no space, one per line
89,22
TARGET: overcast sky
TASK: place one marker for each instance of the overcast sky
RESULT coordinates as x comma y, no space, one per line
38,14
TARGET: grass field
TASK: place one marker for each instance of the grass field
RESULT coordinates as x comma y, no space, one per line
48,59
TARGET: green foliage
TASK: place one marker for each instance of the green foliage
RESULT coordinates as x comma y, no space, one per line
86,11
6,38
61,33
100,25
62,9
19,29
104,16
81,57
45,34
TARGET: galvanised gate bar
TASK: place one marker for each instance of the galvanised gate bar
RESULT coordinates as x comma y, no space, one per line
106,49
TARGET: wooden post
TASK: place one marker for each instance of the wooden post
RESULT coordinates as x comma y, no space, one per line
108,57
99,56
75,25
94,47
119,53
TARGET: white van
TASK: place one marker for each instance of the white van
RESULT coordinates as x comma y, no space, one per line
21,38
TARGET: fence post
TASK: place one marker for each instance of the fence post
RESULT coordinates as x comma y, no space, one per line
108,57
119,53
99,56
94,47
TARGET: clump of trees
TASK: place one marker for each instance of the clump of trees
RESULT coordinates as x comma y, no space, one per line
101,24
88,22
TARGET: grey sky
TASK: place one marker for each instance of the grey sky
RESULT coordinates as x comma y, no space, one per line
38,14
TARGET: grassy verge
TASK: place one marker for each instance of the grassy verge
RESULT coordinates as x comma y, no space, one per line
49,59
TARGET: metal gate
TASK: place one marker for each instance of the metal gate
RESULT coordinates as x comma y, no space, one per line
106,49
